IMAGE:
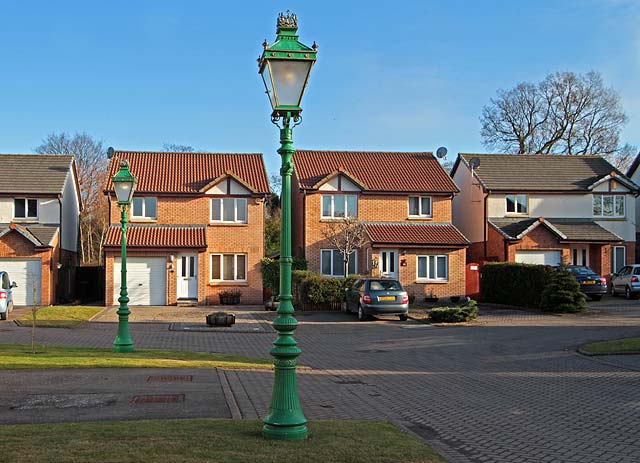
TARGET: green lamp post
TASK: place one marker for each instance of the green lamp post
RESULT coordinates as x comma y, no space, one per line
285,67
124,184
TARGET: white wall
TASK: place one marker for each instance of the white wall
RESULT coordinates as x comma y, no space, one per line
468,205
571,206
6,210
70,215
636,179
49,212
344,182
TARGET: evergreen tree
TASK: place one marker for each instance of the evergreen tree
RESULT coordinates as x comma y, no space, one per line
562,294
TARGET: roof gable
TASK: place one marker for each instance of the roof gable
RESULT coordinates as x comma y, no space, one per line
374,170
160,172
34,173
543,172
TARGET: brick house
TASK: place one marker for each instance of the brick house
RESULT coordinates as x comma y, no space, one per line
40,207
404,201
545,209
196,228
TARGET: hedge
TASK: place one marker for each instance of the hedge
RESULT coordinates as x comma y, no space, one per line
314,291
270,269
464,313
514,284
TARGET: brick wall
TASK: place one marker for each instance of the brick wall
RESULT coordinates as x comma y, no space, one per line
242,238
540,238
15,245
395,208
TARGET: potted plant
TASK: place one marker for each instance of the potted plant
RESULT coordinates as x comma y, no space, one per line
229,297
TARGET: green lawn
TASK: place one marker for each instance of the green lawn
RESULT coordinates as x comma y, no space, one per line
61,316
615,345
224,441
19,356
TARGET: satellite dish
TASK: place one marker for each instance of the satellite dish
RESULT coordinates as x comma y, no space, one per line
110,152
474,163
441,152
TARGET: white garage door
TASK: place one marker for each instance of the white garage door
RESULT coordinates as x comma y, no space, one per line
538,257
26,273
146,280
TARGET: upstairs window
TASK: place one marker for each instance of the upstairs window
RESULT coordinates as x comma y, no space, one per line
229,210
144,208
608,205
419,206
24,208
517,204
339,206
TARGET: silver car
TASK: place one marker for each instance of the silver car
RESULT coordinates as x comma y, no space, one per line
6,295
626,281
378,296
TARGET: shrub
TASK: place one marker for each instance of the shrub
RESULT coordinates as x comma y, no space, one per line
562,294
270,269
513,283
313,288
464,313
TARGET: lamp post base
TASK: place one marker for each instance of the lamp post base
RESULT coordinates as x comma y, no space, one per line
118,347
274,432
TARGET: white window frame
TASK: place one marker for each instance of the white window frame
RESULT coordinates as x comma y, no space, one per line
421,213
435,277
235,266
614,262
354,259
235,210
516,204
600,198
333,201
144,208
26,208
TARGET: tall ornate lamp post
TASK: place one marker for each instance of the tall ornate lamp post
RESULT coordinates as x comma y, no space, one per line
285,66
124,183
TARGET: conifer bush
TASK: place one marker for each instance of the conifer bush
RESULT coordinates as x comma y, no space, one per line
562,294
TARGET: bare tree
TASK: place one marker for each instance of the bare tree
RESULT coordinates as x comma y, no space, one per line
91,162
623,157
566,113
346,235
177,148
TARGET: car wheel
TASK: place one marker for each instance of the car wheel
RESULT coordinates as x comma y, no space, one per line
403,317
3,316
362,316
627,293
596,298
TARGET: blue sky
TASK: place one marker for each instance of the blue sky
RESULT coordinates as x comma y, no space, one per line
403,75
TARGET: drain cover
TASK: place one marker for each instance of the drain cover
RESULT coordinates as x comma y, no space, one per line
157,399
170,378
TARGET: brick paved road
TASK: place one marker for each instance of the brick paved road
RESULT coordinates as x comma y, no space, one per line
511,388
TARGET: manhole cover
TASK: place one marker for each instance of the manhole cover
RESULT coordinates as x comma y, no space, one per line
38,401
170,378
157,399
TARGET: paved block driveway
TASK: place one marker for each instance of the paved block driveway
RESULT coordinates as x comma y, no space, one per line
510,388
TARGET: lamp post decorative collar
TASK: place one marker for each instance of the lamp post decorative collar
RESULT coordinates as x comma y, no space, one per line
285,68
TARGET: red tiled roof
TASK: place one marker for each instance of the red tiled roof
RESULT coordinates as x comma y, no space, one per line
159,172
417,234
158,236
379,171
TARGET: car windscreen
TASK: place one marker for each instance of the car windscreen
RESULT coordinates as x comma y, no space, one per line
581,271
385,285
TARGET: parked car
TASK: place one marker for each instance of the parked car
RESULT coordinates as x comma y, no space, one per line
6,295
626,281
592,284
377,296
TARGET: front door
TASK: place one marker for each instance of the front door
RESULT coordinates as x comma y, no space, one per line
187,287
389,263
580,255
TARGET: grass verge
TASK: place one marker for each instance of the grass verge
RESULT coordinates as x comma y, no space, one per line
61,316
613,346
191,441
19,356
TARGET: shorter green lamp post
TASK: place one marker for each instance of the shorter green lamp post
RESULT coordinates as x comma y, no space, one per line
124,184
